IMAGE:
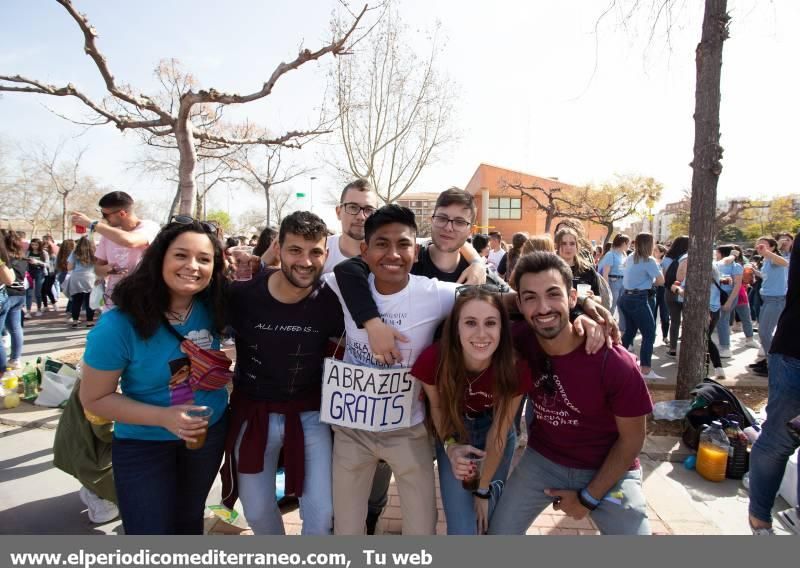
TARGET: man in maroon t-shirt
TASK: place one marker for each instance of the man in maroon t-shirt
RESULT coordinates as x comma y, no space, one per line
583,446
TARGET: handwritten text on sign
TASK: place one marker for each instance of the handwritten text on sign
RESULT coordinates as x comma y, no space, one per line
366,398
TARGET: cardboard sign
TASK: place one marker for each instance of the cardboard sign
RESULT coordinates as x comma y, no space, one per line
366,398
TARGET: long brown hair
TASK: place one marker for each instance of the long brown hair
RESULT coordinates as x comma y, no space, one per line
582,263
84,251
64,251
452,373
642,247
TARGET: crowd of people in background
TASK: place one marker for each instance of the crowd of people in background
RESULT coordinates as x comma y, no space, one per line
507,340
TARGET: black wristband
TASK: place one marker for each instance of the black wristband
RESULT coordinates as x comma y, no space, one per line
585,503
481,495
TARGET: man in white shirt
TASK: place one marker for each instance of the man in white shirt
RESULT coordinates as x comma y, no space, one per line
414,305
123,238
356,204
496,252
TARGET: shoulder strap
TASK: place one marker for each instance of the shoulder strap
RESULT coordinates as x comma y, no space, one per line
172,330
717,284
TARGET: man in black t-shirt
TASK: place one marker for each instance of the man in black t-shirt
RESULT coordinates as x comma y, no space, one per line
283,320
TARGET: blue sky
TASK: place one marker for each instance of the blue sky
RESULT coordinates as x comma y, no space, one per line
536,88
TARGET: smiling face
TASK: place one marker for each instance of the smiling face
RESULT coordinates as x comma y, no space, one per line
450,238
302,259
389,254
353,225
544,301
188,264
568,248
479,326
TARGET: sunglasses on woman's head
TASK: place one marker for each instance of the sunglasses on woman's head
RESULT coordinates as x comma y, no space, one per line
208,226
490,288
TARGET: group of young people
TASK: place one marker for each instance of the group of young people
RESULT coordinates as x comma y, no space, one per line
147,364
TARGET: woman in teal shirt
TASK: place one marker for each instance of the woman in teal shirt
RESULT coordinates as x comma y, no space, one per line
161,484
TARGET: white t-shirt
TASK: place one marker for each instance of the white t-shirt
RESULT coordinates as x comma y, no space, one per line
335,255
124,258
496,256
415,311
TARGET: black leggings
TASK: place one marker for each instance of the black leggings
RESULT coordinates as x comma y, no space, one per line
81,299
713,352
47,289
675,310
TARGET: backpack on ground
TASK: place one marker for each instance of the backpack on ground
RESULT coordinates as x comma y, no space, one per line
712,401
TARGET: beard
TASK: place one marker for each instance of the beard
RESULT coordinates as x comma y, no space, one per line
290,276
548,332
356,232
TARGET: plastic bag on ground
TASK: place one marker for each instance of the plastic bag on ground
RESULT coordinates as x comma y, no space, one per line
55,389
671,409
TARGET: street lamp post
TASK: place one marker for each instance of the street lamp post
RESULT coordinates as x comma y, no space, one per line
311,194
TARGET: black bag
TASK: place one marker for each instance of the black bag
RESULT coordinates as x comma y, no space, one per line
671,274
723,295
712,401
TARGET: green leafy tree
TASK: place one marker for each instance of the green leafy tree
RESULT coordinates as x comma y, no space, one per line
222,219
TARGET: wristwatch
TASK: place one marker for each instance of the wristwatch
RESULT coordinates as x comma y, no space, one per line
92,225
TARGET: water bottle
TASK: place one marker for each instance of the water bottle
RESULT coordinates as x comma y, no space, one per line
712,453
738,458
29,382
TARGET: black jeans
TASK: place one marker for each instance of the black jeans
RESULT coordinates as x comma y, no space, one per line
713,352
675,310
81,299
47,290
162,486
661,311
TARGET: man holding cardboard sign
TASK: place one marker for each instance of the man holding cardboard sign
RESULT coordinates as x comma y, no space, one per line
413,305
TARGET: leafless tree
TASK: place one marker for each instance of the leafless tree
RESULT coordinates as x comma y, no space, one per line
394,109
128,110
283,202
544,199
264,169
63,173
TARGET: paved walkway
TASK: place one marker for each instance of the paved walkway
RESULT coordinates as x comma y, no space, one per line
37,498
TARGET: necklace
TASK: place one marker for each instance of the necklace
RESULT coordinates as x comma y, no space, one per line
178,317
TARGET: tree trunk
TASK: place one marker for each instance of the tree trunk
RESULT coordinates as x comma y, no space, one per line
610,232
548,220
706,168
269,204
64,216
173,209
188,160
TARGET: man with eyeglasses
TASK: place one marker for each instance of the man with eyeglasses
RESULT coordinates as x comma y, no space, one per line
356,204
123,238
591,411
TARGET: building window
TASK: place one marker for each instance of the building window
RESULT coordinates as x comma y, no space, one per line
505,208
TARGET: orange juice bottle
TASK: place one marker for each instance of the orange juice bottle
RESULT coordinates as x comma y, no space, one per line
712,453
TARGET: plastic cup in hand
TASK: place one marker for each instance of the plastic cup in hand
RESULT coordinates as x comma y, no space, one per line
584,289
241,256
80,229
474,481
204,412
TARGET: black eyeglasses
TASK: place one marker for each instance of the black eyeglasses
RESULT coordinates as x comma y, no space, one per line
466,288
208,226
355,209
107,215
546,379
441,221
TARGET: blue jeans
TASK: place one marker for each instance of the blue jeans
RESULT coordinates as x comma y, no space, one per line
617,288
11,318
257,490
458,503
36,291
638,312
724,324
771,308
775,445
660,309
162,486
524,499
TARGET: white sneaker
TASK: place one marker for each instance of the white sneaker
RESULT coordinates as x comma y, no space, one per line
100,511
790,519
38,313
761,354
7,343
653,375
719,372
14,364
750,342
725,352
